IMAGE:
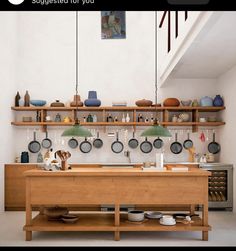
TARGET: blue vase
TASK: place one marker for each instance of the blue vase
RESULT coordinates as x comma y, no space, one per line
218,101
92,99
92,94
206,101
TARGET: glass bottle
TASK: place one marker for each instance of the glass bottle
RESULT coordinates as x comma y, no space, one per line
127,119
123,118
27,99
17,98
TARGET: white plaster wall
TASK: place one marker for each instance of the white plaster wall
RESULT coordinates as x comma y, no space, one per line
227,87
41,59
116,69
7,76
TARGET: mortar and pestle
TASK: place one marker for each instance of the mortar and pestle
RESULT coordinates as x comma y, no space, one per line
64,156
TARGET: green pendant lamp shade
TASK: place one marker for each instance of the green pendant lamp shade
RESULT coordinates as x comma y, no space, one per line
77,130
156,130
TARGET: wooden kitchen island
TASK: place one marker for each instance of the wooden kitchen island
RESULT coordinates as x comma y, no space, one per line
114,186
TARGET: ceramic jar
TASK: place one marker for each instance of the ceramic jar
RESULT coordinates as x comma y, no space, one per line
218,101
92,99
171,102
206,101
24,157
195,103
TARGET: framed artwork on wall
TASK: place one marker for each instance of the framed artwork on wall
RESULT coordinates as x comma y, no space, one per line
113,24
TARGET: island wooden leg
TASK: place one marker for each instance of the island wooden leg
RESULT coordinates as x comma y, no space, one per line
117,222
41,210
205,221
192,209
28,210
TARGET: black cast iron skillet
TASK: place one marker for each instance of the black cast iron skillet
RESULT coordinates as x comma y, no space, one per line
188,143
117,146
133,143
146,146
85,146
34,146
46,143
214,147
97,143
73,143
158,143
176,146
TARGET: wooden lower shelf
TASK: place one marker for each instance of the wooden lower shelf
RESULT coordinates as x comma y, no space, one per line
105,222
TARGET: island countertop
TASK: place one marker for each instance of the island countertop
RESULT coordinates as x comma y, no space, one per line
115,172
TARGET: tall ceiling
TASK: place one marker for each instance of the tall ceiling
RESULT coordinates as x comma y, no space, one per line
213,52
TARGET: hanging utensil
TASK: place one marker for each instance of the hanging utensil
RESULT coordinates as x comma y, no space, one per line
73,143
133,143
85,146
117,146
188,143
158,143
214,147
176,147
98,143
146,146
46,143
34,146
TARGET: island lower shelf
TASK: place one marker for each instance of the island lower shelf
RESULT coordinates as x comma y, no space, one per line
106,222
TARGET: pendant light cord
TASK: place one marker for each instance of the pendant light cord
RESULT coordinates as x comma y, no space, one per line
156,64
77,64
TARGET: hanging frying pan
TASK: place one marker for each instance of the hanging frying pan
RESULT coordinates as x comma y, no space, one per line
133,143
34,146
73,143
158,143
85,146
188,143
214,147
117,146
46,143
97,143
176,146
146,146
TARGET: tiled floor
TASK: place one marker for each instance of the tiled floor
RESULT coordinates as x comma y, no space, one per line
223,234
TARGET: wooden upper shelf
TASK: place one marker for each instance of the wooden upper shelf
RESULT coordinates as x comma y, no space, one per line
120,108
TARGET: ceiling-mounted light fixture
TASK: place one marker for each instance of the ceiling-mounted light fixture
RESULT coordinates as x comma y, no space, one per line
77,130
156,130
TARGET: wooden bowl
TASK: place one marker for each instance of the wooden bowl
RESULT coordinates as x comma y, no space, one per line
55,212
143,102
171,102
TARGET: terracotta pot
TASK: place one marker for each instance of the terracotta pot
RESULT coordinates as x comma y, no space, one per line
79,102
171,102
143,102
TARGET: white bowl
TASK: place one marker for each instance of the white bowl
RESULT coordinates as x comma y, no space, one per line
136,215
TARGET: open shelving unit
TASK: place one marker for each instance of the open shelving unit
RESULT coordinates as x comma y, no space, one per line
163,112
103,221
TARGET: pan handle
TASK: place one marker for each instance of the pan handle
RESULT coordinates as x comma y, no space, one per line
97,134
176,137
146,139
46,134
34,135
214,136
188,135
117,136
133,134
